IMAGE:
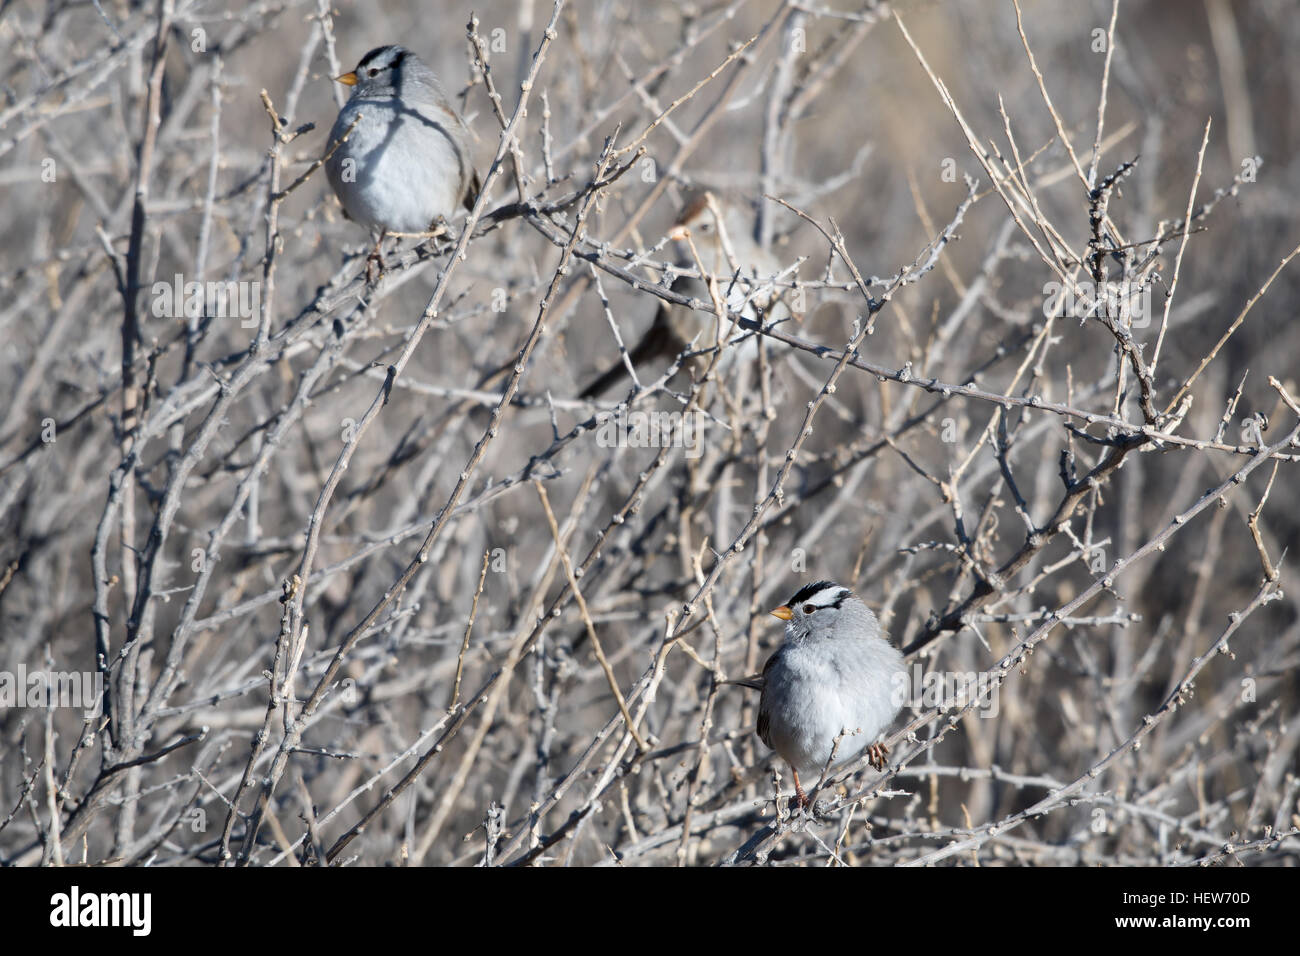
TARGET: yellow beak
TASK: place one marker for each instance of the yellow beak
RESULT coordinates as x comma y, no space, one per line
347,79
783,612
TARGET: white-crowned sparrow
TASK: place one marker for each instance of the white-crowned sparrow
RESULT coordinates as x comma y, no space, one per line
834,675
406,164
722,233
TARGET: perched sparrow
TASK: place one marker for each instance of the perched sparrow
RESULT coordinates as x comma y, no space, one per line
835,674
723,236
406,164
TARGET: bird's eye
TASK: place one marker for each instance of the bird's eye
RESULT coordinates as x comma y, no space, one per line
374,71
809,608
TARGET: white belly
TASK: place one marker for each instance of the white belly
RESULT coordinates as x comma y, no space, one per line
812,705
401,176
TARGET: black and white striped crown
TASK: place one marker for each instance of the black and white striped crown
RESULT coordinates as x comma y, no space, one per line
820,594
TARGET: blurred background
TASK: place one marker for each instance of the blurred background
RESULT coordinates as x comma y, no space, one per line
154,513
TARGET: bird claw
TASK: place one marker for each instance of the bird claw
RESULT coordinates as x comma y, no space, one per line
375,261
878,756
805,806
